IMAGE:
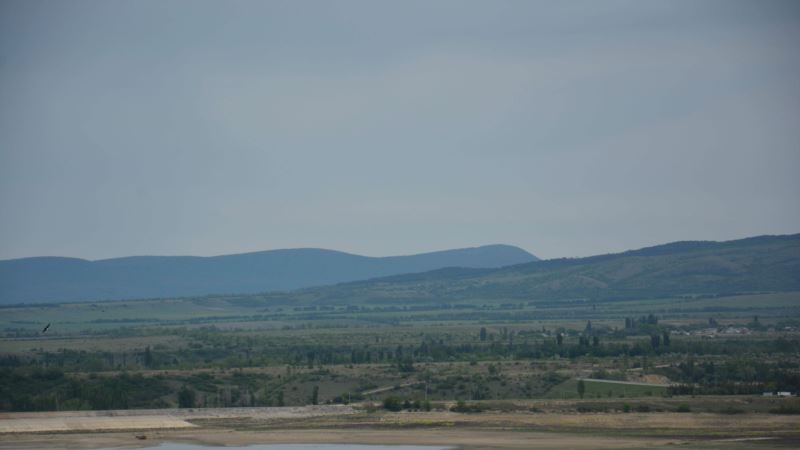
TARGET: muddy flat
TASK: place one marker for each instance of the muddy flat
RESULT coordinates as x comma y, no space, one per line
345,425
456,438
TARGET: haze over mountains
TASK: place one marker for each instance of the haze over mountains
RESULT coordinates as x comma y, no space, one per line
494,273
758,264
57,279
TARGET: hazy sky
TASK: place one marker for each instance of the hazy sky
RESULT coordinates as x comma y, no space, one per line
567,128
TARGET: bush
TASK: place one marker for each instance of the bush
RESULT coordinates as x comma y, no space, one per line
392,404
683,408
464,407
591,408
186,398
793,408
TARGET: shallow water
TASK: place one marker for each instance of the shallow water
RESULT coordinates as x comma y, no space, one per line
171,446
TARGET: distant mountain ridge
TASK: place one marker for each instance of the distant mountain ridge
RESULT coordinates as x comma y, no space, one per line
61,279
757,264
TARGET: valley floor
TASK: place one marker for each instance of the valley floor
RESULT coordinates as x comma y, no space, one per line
340,424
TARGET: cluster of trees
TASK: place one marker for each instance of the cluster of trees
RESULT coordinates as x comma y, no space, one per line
402,356
744,375
631,322
464,407
34,389
657,341
398,404
643,325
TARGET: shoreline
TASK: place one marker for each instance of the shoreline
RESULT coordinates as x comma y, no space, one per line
338,424
457,439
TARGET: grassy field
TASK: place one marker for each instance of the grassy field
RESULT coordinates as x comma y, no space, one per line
457,372
246,351
251,313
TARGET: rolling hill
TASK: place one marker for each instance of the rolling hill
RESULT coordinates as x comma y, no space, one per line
758,264
56,279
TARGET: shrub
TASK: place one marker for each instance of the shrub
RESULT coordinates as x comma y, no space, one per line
591,408
392,404
186,398
786,409
464,407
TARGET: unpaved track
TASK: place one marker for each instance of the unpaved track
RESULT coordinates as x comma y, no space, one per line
631,383
389,388
150,419
52,424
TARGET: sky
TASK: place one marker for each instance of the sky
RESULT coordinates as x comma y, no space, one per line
383,128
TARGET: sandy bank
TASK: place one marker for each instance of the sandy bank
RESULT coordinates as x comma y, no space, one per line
150,419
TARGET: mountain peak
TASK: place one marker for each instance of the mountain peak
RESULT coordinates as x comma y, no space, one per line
58,279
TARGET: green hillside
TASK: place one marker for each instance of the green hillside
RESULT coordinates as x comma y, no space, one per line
759,264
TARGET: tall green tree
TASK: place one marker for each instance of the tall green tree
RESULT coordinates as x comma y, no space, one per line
148,357
186,398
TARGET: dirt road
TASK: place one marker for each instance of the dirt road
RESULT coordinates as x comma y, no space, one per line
632,383
151,419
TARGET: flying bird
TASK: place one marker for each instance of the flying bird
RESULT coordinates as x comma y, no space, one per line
45,328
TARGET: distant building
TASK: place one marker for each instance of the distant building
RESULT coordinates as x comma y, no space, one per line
777,394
